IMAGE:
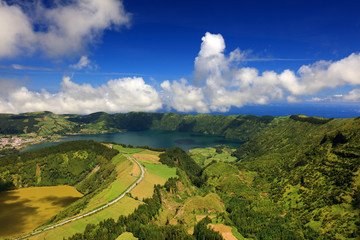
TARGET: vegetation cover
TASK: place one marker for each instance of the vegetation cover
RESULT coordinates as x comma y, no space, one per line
241,127
294,180
84,164
295,177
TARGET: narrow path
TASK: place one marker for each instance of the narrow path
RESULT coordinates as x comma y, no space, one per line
93,211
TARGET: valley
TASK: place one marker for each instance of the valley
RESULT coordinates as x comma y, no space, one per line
294,177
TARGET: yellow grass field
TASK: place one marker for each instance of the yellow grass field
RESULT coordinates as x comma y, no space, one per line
127,171
123,207
124,179
145,188
126,236
148,156
155,173
25,209
224,230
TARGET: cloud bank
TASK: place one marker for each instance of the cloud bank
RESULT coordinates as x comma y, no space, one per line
219,83
58,31
119,95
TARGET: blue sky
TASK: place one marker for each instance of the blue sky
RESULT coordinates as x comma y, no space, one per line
82,56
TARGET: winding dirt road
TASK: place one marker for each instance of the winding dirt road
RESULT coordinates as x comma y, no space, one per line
93,211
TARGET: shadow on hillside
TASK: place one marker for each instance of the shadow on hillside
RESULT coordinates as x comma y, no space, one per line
60,201
14,214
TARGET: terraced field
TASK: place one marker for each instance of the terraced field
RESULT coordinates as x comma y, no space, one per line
155,173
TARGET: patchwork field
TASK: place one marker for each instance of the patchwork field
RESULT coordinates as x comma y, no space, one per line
127,173
33,206
204,156
155,173
147,156
125,177
123,207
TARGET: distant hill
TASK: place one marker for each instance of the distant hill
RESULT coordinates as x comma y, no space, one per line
241,127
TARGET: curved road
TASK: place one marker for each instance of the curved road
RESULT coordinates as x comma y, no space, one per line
93,211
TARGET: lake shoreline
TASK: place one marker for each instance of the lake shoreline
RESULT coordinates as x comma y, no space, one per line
151,138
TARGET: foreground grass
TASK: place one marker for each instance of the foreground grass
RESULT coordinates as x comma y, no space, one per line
155,173
24,209
123,207
123,180
126,236
127,171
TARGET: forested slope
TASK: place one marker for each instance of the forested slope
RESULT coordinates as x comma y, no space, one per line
313,168
66,164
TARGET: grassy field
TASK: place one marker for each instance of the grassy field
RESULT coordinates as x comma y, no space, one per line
127,171
148,156
123,180
126,175
128,150
204,156
126,236
225,231
211,203
24,209
155,173
123,207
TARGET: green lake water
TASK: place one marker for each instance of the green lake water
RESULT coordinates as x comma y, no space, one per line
152,138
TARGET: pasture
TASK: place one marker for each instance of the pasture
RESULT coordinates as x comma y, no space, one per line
126,236
25,209
123,207
124,179
204,156
225,231
155,173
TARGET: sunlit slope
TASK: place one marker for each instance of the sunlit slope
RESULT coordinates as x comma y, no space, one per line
314,171
127,172
66,164
85,165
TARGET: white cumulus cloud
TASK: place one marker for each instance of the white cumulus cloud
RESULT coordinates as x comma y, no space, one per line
118,95
65,29
84,62
220,83
353,95
16,30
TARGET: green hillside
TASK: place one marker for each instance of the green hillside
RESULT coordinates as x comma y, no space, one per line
313,169
241,127
84,164
298,178
295,177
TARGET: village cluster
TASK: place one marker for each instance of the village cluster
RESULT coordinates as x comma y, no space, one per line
16,142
